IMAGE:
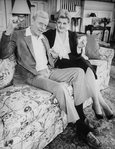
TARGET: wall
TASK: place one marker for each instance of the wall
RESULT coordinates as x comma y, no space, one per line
5,12
113,34
101,9
55,5
52,6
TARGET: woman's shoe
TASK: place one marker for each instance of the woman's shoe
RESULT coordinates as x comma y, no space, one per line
110,117
98,116
91,140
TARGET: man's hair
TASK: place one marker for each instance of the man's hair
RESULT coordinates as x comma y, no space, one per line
62,13
40,13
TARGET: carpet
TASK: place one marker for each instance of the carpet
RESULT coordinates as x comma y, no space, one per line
70,140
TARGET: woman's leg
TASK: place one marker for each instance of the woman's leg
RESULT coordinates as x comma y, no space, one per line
108,111
90,75
93,87
97,97
91,80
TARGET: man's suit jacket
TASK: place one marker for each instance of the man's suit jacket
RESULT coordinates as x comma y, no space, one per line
22,46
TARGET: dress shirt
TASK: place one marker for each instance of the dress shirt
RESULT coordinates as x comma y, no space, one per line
39,51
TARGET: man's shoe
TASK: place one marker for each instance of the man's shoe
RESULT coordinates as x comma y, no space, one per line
92,128
91,140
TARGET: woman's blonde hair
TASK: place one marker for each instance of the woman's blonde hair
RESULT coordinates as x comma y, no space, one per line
62,13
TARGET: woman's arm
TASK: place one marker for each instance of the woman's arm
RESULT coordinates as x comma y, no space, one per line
81,44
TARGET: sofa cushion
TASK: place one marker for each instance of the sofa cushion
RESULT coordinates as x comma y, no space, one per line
92,47
31,117
7,69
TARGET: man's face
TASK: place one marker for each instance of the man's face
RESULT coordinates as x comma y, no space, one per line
39,25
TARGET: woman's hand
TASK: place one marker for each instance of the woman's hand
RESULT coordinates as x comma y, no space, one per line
54,53
82,41
79,50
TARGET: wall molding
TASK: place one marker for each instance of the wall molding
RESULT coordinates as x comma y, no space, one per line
93,5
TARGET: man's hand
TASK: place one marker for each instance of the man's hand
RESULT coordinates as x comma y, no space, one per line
13,24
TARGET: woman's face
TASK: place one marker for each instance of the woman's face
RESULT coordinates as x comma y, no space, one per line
62,25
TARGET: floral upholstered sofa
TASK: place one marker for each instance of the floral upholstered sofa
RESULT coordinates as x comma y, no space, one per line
103,66
30,118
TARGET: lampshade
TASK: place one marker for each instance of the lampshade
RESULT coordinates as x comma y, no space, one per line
92,15
20,7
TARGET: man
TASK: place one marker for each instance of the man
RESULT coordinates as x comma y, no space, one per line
35,65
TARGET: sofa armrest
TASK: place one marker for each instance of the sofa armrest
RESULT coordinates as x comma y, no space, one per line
107,52
7,69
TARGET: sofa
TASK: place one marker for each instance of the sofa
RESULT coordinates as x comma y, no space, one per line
30,118
103,66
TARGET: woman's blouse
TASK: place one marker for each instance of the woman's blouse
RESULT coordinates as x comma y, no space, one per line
60,47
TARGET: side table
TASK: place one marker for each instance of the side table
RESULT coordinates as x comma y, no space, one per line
92,28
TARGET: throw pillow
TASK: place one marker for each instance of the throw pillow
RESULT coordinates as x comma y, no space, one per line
7,69
92,47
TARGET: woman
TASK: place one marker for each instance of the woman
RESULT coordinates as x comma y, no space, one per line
64,47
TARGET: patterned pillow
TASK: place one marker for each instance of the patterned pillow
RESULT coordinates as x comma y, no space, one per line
7,69
92,47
